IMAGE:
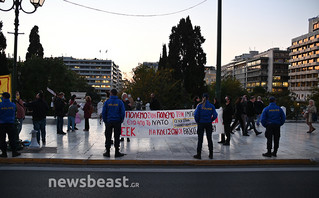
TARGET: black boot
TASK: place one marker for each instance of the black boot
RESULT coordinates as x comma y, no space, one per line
268,154
222,138
118,153
4,153
210,155
198,156
15,154
107,153
274,153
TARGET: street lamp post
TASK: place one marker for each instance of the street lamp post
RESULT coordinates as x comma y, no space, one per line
17,7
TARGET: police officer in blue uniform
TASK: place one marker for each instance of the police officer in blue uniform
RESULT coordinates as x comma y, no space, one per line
113,115
7,126
272,118
205,114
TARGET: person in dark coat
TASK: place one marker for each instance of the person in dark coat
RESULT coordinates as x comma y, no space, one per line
154,104
88,110
239,109
39,111
250,110
59,105
259,107
227,119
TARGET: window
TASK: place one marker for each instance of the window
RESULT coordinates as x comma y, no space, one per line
315,26
305,40
263,84
300,41
276,77
294,43
311,61
311,38
285,84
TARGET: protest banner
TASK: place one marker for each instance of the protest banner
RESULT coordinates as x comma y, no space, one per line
179,123
5,84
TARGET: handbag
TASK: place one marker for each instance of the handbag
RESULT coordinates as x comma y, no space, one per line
77,118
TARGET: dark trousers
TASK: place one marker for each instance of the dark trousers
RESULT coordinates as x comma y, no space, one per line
117,133
59,124
251,122
227,130
39,125
87,124
11,131
273,130
239,118
200,132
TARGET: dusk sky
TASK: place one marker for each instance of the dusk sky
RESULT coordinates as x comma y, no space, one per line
70,30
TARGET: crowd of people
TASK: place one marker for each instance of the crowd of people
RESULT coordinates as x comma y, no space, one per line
112,112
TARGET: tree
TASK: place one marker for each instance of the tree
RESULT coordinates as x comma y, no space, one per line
167,89
3,60
163,61
35,48
229,87
186,56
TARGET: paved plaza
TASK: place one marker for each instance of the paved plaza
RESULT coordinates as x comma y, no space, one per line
295,143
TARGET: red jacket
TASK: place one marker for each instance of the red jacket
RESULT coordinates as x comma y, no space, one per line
87,110
20,109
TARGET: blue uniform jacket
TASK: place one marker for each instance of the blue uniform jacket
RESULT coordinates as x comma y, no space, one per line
7,111
273,114
113,110
205,114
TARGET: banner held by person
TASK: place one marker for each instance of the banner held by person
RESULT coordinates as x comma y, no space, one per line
179,123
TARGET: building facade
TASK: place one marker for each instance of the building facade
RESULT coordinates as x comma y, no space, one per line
103,75
210,75
304,62
268,69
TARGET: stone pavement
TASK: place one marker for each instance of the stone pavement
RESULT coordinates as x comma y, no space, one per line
296,146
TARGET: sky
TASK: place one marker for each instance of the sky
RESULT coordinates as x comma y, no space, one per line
69,30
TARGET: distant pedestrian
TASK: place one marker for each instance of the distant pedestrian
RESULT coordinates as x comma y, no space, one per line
196,101
272,118
238,116
59,105
204,115
71,101
311,110
20,111
154,103
138,104
227,119
251,115
88,110
7,126
259,107
113,115
39,109
73,109
216,103
128,107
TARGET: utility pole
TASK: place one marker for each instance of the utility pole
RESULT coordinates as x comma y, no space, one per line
219,52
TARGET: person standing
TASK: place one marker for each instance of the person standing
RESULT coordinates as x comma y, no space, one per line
20,111
154,103
39,111
113,115
88,110
128,107
272,118
204,115
138,104
250,109
59,105
227,119
73,109
259,106
311,109
238,116
71,101
7,126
